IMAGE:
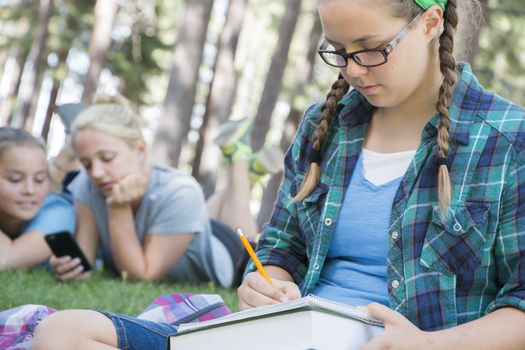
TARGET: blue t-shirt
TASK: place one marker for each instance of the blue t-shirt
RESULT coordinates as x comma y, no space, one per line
355,268
57,214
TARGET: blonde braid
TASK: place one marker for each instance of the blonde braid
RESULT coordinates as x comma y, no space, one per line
448,69
328,110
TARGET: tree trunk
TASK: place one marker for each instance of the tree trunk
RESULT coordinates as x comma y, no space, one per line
304,76
473,42
57,78
33,65
174,124
8,102
50,108
35,98
274,78
270,192
4,56
220,97
105,13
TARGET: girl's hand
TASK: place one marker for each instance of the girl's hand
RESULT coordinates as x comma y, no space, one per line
66,269
256,291
399,332
127,190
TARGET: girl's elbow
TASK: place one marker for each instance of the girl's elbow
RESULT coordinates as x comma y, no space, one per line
146,276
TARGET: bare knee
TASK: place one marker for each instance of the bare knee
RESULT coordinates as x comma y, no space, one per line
53,331
73,329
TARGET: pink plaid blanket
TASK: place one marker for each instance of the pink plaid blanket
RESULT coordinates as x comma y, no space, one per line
18,324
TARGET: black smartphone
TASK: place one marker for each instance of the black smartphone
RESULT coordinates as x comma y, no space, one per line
63,243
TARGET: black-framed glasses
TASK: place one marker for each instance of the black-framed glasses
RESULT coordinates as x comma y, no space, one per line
367,57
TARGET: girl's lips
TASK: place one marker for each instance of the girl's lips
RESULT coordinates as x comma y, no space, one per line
367,89
27,205
106,186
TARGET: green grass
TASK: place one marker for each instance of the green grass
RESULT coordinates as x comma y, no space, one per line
101,291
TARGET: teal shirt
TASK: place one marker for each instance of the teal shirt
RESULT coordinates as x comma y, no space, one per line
56,215
442,270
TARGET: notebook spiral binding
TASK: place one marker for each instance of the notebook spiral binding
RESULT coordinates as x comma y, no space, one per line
352,311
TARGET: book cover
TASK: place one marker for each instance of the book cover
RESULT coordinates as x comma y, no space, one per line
307,323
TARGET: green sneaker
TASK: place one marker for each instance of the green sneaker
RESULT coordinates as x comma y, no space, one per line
236,151
268,160
232,131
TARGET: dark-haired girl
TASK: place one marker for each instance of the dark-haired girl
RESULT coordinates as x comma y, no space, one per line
27,211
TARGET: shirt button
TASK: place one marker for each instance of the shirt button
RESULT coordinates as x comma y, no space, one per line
457,227
316,266
395,284
395,235
328,221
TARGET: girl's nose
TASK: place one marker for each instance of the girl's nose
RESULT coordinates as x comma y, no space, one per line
29,186
97,170
354,70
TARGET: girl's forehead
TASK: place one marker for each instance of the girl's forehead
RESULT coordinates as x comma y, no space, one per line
23,151
89,135
89,142
349,21
23,157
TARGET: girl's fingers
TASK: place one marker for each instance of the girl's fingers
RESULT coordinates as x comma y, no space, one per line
71,275
54,261
258,283
116,196
256,291
128,189
291,291
83,276
66,266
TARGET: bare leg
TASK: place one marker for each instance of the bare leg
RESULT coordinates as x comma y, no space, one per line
75,329
231,206
214,204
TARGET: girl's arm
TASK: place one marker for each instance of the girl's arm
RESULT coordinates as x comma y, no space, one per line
150,262
28,250
179,206
501,329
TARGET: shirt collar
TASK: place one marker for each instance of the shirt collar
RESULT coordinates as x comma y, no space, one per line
356,110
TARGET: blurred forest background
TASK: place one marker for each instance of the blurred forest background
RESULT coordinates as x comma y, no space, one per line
189,65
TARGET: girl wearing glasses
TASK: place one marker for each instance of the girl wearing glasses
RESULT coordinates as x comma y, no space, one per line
404,193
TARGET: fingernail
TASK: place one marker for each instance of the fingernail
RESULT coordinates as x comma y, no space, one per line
284,299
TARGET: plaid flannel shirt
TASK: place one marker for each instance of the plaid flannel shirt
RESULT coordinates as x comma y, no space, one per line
442,269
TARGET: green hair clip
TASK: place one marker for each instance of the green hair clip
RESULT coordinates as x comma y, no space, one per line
426,4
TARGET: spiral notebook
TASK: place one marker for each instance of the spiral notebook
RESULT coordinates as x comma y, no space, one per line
307,323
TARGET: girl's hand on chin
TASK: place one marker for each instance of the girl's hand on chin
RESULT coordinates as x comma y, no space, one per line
128,189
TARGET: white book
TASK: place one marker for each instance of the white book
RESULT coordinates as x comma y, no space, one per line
307,323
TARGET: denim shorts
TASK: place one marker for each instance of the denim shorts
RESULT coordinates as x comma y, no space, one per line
137,334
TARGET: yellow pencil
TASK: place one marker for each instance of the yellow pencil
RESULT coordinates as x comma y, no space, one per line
254,257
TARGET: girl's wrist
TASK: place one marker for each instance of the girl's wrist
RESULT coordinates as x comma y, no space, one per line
118,208
120,211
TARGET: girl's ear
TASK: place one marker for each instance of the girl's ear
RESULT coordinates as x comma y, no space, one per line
433,22
141,148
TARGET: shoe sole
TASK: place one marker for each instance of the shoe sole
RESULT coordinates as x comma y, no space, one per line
232,131
271,158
